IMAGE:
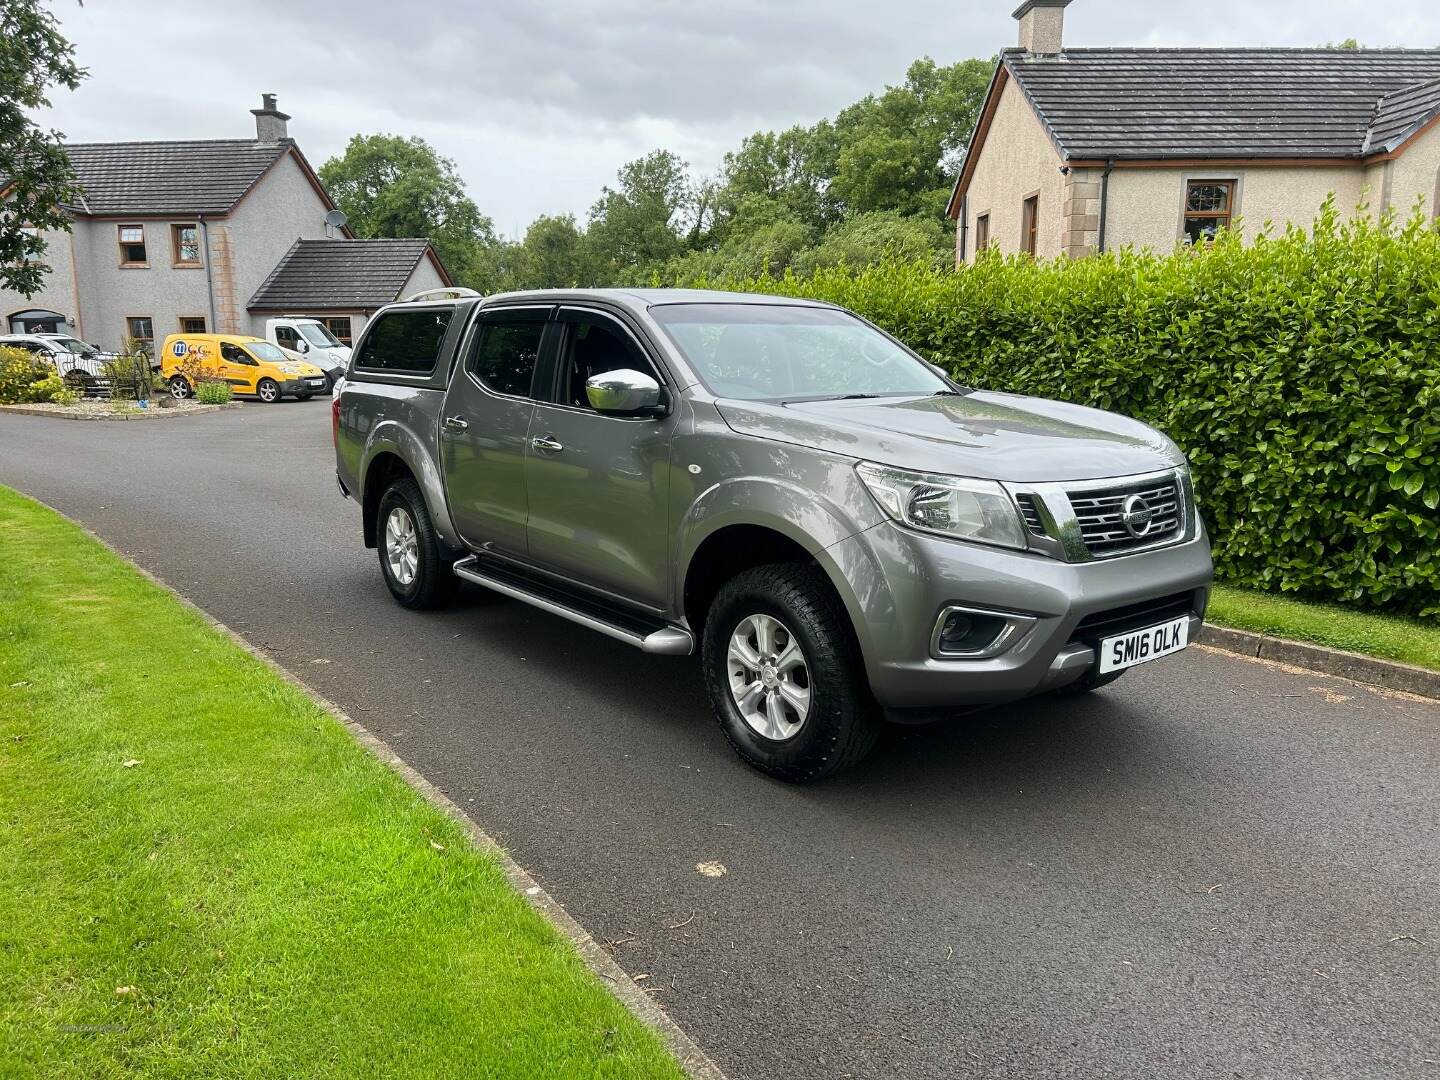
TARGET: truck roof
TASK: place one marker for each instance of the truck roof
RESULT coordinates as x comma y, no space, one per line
647,298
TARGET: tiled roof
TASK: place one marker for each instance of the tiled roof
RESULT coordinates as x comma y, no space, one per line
1400,113
201,177
337,274
1188,103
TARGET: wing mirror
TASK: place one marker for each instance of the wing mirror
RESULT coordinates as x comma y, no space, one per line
625,392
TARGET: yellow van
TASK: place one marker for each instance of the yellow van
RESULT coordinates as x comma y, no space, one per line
251,365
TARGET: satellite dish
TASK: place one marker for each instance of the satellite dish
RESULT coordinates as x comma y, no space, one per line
336,219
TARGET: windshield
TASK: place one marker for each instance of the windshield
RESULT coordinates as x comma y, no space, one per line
263,350
76,346
776,352
317,335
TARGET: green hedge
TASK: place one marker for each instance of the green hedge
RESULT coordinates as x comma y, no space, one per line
1301,374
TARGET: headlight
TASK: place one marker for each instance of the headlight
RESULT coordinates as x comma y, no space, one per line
978,510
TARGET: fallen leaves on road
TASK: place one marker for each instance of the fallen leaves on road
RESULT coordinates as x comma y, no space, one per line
1334,697
712,869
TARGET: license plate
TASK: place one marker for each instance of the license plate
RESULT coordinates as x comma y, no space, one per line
1142,646
317,382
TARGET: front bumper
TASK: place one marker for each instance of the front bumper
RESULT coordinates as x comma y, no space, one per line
310,384
897,582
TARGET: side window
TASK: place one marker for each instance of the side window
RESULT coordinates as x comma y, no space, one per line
505,356
287,338
593,346
233,354
405,342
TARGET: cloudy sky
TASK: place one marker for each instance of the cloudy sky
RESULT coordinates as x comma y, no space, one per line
540,103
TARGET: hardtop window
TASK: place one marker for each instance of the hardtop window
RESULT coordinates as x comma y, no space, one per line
782,352
406,342
595,344
507,352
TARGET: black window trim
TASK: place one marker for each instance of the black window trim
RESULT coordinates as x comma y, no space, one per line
475,333
386,374
550,398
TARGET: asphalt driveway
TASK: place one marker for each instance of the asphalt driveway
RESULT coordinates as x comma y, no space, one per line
1214,868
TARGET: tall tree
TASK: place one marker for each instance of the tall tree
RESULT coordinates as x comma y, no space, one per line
635,226
36,181
391,186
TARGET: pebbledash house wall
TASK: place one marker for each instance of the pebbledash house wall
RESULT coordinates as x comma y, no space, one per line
57,290
1016,161
243,248
1146,203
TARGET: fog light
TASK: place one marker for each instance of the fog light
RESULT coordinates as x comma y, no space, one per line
965,633
968,633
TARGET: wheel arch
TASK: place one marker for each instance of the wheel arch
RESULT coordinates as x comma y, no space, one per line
393,449
757,525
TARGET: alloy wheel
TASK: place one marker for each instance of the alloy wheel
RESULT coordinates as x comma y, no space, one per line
402,546
769,677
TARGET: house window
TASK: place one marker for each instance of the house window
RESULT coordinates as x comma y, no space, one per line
32,244
185,245
141,330
982,233
1209,205
340,327
1030,225
192,324
132,246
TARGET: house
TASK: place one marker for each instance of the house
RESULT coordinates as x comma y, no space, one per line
213,235
1083,150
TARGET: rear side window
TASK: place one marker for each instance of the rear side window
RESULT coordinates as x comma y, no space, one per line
504,358
406,342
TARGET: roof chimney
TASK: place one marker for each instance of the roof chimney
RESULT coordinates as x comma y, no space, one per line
269,121
1042,26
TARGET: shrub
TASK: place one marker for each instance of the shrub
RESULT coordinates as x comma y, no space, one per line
213,392
25,379
1300,374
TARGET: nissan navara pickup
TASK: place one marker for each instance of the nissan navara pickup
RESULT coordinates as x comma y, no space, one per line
841,533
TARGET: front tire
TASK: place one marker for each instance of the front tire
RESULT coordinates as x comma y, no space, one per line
785,676
268,391
412,558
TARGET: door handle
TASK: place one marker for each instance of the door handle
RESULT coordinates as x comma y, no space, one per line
456,423
547,444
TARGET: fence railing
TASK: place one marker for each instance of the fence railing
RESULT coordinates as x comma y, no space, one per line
106,376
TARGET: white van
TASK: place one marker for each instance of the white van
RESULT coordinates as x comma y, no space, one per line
311,340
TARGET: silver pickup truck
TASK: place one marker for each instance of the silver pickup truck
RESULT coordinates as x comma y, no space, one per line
842,533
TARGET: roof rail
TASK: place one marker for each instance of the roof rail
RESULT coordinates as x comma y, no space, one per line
453,292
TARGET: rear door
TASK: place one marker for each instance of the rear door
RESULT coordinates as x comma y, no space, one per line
598,484
485,426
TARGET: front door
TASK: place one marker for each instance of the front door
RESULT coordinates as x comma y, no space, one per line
237,367
598,484
485,423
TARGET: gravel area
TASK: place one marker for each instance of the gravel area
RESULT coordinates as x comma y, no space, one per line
118,410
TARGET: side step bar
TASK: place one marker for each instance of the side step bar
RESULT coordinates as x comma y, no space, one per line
647,635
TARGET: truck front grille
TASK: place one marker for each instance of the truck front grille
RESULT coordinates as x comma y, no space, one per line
1116,520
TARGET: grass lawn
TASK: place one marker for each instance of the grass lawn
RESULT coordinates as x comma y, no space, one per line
1389,637
202,874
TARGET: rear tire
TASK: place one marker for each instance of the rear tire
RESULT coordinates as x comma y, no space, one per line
776,638
412,559
1087,684
268,391
180,388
